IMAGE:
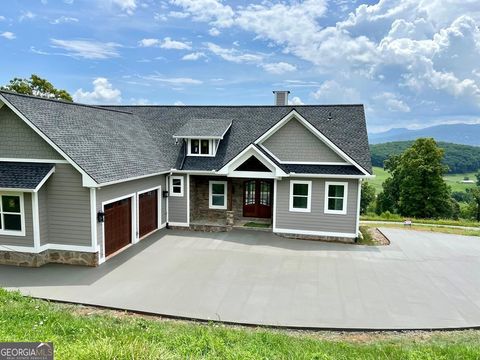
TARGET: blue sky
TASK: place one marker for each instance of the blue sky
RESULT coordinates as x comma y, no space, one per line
413,63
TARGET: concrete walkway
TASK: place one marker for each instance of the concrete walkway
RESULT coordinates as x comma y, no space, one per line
422,280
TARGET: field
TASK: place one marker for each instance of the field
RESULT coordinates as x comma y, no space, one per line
452,179
87,333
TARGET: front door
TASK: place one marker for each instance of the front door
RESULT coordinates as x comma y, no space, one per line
257,198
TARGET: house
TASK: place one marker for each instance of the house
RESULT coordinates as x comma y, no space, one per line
79,183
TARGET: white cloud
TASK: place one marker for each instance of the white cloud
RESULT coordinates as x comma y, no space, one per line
279,68
234,55
149,42
27,15
2,18
193,56
178,14
168,43
8,35
212,11
214,31
103,93
128,6
87,49
391,102
330,91
178,103
63,20
295,101
180,81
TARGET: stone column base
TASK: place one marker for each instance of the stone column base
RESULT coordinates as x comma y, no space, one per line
48,256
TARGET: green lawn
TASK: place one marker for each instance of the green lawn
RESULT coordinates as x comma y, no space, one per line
453,180
86,333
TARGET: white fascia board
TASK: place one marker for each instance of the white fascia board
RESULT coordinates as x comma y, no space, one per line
41,161
252,150
87,180
17,190
40,184
292,174
131,179
194,172
198,137
315,131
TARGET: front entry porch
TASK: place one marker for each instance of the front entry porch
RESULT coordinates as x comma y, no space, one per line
221,203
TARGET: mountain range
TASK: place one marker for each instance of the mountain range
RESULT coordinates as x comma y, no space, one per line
467,134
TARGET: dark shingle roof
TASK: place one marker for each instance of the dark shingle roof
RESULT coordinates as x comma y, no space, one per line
20,175
321,169
107,144
213,128
119,142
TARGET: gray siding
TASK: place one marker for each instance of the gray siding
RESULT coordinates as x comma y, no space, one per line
43,214
294,142
110,192
316,220
26,240
18,140
68,206
178,205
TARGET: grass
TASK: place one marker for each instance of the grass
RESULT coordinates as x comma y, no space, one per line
367,238
444,222
452,179
85,333
437,229
257,225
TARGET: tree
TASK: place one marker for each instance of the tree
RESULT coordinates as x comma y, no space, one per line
37,86
478,178
416,187
476,201
368,195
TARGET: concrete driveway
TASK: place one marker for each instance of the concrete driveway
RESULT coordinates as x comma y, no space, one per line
422,280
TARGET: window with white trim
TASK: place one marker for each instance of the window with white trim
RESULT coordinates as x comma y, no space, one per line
176,186
12,217
217,194
300,195
200,147
336,197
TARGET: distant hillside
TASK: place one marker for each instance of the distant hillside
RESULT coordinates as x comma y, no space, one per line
467,134
459,158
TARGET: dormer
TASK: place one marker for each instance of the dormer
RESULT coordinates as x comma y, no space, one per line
203,136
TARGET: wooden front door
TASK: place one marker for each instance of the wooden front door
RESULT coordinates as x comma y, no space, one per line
257,198
148,212
118,225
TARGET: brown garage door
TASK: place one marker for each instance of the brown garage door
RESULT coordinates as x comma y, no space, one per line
148,212
118,225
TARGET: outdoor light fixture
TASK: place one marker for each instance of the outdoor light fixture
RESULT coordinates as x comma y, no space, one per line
100,216
165,193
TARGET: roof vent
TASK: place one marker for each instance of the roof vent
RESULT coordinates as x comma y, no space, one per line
281,97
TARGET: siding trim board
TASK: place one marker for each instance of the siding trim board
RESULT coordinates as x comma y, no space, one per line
314,233
295,115
34,160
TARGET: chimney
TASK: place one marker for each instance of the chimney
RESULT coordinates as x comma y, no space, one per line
281,97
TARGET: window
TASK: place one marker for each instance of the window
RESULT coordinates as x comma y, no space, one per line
336,197
300,195
218,195
200,147
12,220
176,186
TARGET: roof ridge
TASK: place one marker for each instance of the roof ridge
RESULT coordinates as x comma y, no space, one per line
98,107
231,106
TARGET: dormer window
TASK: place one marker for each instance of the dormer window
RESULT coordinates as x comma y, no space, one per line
200,147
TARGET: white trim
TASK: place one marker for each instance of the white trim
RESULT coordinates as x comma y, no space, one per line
359,198
309,196
34,160
159,211
180,224
314,130
313,233
293,174
182,185
132,178
345,198
17,190
40,184
35,221
188,199
195,172
133,235
87,180
229,168
167,203
301,162
274,215
210,195
93,217
211,148
21,213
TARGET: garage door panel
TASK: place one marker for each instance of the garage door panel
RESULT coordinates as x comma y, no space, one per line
118,225
148,212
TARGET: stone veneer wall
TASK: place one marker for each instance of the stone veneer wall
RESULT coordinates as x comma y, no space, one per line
337,239
48,256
